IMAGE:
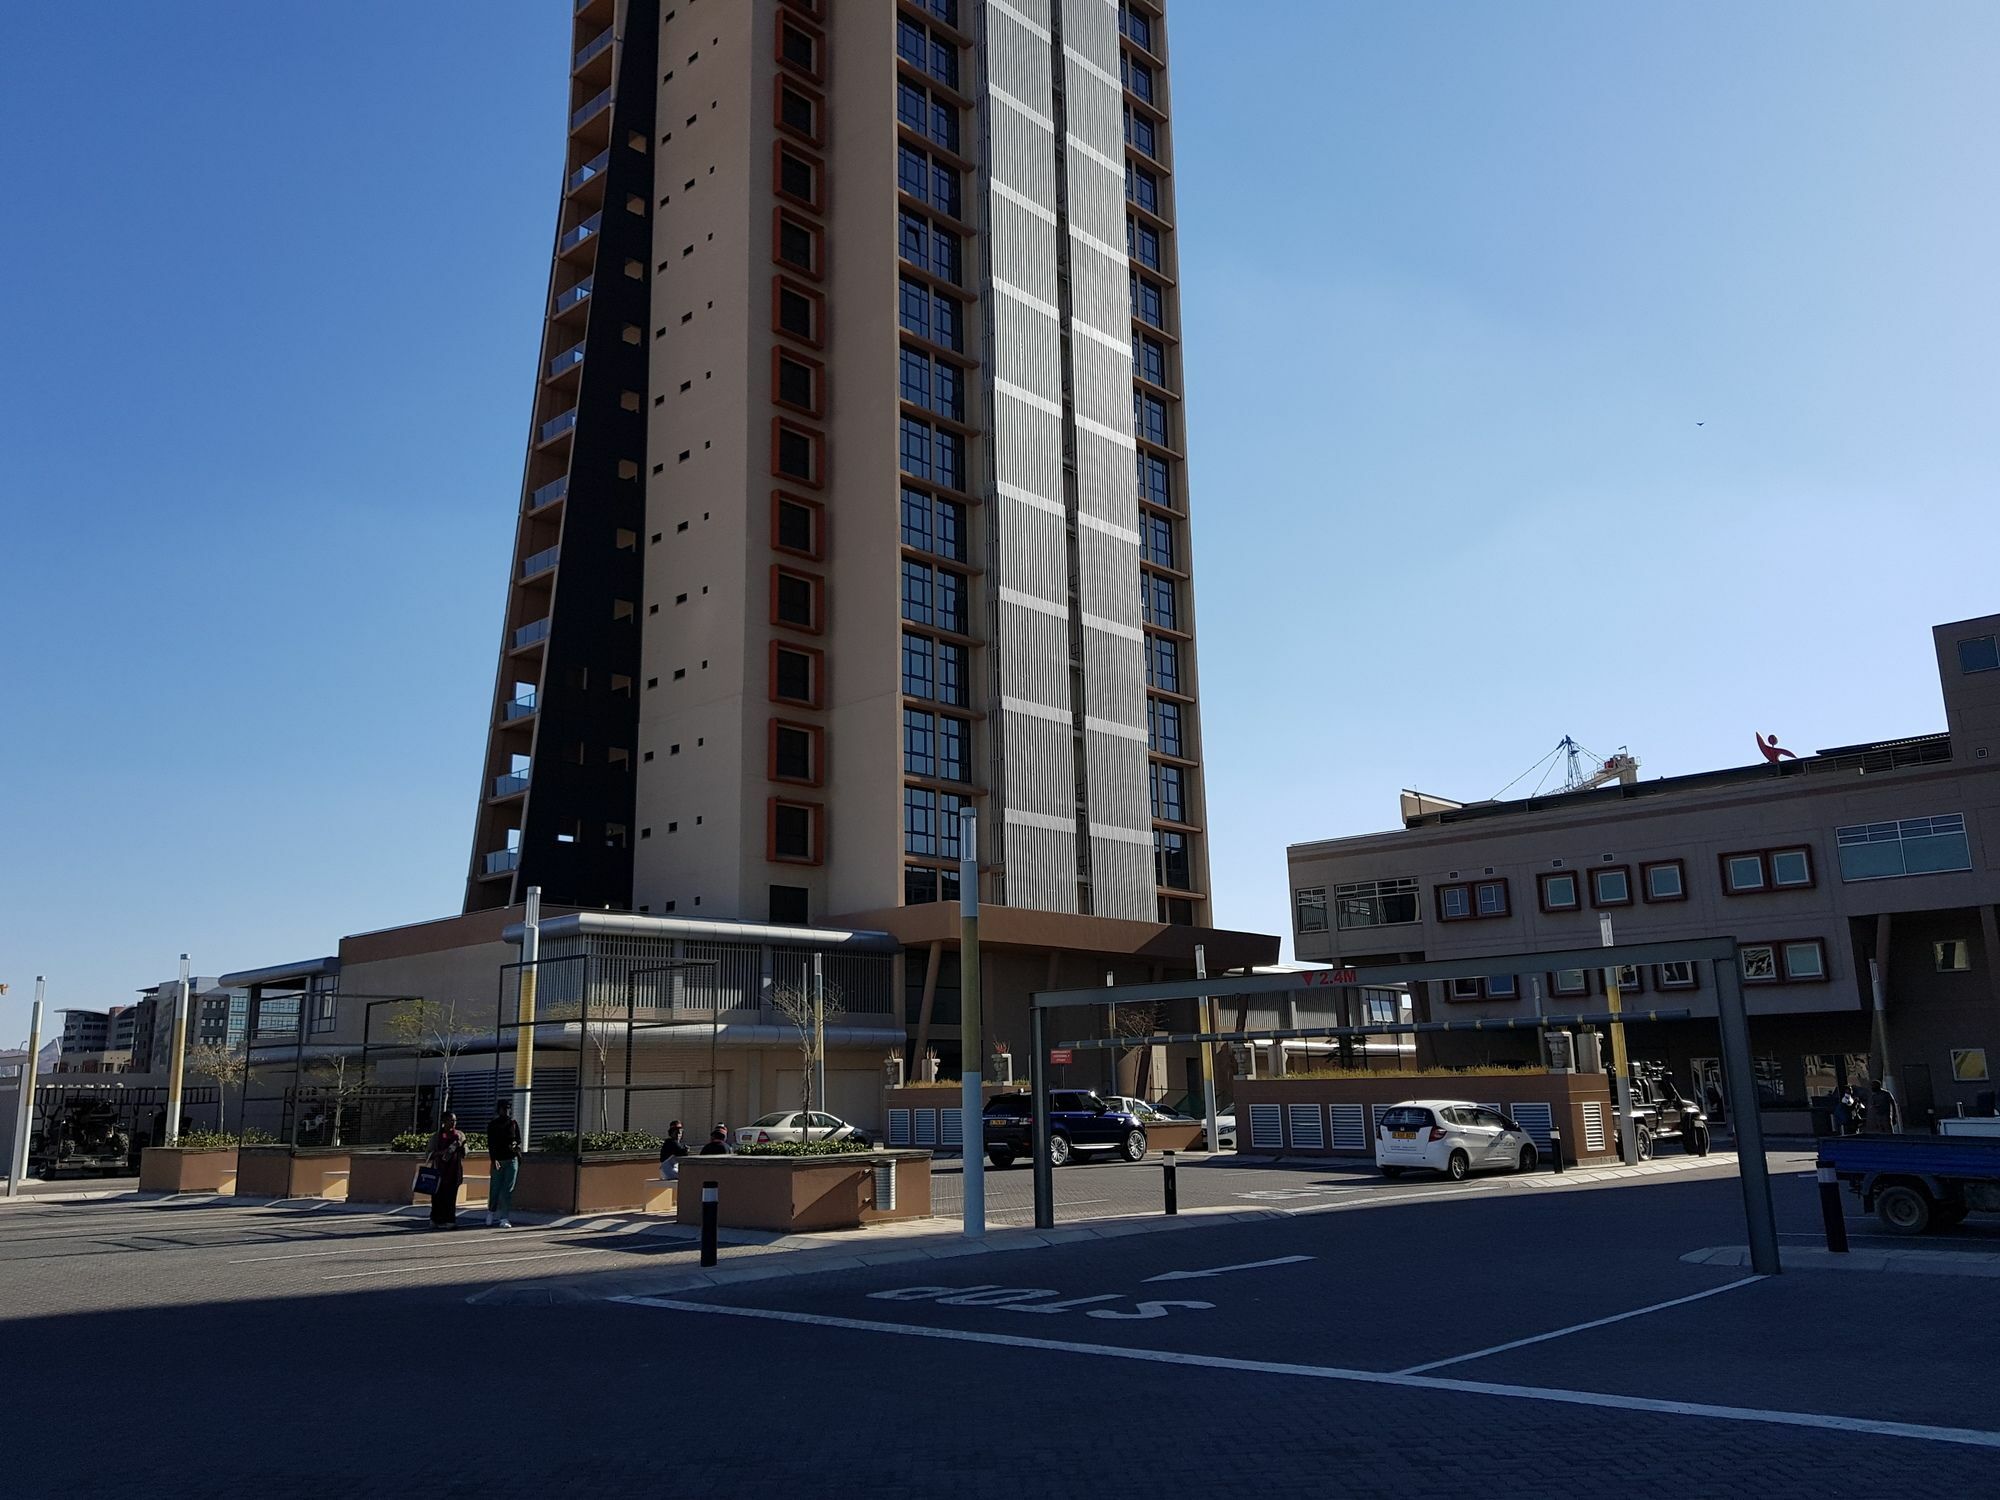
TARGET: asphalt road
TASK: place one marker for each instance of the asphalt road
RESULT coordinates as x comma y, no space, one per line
280,1352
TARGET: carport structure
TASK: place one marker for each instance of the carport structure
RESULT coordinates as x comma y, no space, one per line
1719,953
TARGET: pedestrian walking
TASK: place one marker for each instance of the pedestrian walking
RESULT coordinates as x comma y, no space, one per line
1843,1109
672,1149
447,1155
1882,1109
718,1142
503,1151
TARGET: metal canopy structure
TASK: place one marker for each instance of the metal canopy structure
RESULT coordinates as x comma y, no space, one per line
1719,953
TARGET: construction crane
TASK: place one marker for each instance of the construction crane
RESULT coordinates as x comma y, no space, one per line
1582,769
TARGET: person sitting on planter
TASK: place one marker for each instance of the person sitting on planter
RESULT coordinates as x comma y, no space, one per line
718,1142
447,1154
503,1148
671,1150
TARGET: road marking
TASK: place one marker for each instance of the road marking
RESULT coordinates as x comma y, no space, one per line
1971,1437
1248,1265
453,1265
1542,1338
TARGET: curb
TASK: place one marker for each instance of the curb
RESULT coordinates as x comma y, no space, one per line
1979,1263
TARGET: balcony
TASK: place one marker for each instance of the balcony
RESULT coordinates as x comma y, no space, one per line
590,109
518,708
511,784
596,47
591,169
531,634
538,563
566,300
548,494
579,234
500,862
568,360
557,427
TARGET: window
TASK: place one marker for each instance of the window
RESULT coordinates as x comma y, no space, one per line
1663,881
794,600
1309,910
919,679
1163,727
1791,868
1630,981
933,525
1480,898
933,453
798,177
1968,1065
937,670
919,743
1802,962
1490,896
927,52
1569,982
1139,133
1464,989
788,904
933,383
1136,76
798,47
1760,963
1157,603
929,180
1142,187
1611,886
1558,892
797,244
1163,664
930,315
1678,975
936,745
1502,987
794,831
934,596
925,245
1156,540
1143,244
1454,902
1149,418
1149,360
798,111
1172,867
797,383
1168,788
1136,24
795,452
795,526
794,675
1148,301
1909,846
933,118
1952,956
1742,873
923,885
794,752
796,311
1979,653
1375,903
1805,962
930,822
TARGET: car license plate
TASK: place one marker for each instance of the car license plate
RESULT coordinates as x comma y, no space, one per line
1404,1135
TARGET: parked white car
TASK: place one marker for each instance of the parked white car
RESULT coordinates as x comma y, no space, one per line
1450,1136
1147,1113
791,1125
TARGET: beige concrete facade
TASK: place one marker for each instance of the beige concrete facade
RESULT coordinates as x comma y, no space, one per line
1887,852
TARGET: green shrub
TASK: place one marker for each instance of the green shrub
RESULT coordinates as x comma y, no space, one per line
420,1140
563,1142
221,1140
802,1148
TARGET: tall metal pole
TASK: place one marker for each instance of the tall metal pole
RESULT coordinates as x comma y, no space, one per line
524,1033
24,1103
1621,1077
1038,1084
819,1039
1878,993
1741,1082
177,1057
972,1097
1205,1019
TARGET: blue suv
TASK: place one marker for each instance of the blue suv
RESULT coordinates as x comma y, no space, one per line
1079,1122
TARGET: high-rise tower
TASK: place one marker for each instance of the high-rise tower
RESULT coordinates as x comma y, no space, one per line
836,517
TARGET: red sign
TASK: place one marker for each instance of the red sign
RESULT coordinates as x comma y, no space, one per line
1060,1055
1316,977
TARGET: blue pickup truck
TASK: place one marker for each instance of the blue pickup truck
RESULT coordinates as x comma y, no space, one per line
1918,1182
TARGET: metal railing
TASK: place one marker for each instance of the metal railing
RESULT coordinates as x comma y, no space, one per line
555,427
592,48
510,782
549,493
518,708
500,861
537,563
566,300
591,107
569,359
533,631
580,233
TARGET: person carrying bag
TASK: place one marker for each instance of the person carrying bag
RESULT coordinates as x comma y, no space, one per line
445,1165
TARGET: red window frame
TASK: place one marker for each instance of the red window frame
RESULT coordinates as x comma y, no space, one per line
816,837
816,775
782,498
815,582
817,660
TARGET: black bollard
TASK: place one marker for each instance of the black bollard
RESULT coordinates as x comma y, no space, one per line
1556,1149
1830,1211
709,1199
1170,1176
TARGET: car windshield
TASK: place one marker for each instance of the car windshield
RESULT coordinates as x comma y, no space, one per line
782,1117
1406,1117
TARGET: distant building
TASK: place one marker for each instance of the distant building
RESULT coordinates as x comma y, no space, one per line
1859,875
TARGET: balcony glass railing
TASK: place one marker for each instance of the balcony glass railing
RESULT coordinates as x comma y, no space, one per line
566,300
500,861
593,107
579,234
555,427
549,493
508,784
595,47
592,168
533,631
538,563
518,708
569,359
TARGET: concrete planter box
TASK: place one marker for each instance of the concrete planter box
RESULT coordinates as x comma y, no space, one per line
805,1193
286,1172
914,1115
1317,1116
612,1181
1173,1137
175,1169
390,1177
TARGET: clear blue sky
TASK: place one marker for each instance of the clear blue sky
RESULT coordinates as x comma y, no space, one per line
1460,281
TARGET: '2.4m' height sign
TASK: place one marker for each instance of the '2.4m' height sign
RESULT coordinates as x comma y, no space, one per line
1313,978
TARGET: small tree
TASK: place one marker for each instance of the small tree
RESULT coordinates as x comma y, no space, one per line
340,1076
225,1066
432,1027
808,1012
1132,1024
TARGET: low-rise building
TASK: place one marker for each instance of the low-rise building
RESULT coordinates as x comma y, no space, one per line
1859,876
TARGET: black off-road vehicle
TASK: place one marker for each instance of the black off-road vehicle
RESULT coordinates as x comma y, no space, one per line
1661,1113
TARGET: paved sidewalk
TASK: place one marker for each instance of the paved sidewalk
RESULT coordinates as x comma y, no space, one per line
1919,1262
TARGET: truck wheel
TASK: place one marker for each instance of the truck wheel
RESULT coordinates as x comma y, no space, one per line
1459,1167
1903,1209
1695,1142
1001,1160
1645,1137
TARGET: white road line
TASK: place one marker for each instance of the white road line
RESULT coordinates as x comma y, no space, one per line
1248,1265
453,1265
1543,1338
1859,1426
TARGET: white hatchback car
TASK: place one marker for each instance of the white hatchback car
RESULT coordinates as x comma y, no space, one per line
797,1125
1452,1137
